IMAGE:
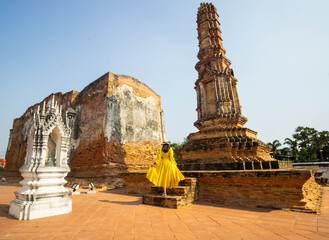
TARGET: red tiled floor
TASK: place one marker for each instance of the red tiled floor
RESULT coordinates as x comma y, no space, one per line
116,216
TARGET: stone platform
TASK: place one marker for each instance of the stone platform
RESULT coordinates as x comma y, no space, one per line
293,189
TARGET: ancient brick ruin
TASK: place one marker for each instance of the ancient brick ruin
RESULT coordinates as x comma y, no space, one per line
222,142
227,162
117,126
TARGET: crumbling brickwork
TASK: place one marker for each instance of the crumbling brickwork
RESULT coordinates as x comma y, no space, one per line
117,126
231,165
291,189
221,137
275,189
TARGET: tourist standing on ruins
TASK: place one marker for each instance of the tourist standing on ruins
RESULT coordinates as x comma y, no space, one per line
164,172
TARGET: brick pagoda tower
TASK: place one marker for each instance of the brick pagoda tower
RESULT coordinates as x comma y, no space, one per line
222,142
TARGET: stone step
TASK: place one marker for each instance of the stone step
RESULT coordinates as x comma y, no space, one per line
188,182
167,201
177,190
178,196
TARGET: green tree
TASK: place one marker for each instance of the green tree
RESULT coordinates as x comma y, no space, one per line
306,138
176,146
325,153
275,145
303,155
323,142
293,147
311,142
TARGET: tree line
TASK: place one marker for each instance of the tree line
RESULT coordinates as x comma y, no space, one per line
306,145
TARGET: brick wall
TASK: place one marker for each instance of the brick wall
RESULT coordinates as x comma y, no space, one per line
136,183
293,189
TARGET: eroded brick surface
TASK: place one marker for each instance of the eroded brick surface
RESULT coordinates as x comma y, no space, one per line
117,126
293,189
222,137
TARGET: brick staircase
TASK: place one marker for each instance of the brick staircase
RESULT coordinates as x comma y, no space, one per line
184,194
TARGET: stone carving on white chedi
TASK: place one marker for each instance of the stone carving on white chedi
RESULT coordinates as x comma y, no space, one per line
46,164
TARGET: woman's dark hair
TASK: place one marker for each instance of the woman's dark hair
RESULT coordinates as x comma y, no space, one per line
165,147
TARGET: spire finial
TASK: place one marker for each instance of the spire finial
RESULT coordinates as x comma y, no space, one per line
53,102
43,110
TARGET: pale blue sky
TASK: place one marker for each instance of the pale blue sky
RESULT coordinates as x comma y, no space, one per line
279,52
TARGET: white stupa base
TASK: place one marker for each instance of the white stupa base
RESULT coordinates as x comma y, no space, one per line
27,210
42,194
74,193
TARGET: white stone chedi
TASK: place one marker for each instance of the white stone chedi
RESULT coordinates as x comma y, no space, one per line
43,193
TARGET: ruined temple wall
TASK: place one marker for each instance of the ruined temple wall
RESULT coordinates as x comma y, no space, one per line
125,129
117,127
87,142
140,121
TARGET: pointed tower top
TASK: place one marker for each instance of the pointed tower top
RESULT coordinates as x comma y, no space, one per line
53,102
43,110
217,94
210,39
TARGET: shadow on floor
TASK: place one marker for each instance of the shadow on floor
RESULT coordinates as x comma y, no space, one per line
234,207
122,192
4,211
138,202
200,202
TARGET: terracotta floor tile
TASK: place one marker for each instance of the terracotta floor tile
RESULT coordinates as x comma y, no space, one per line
306,223
83,237
285,233
323,229
315,236
185,235
308,234
260,231
265,222
305,227
122,236
221,233
116,216
284,224
323,234
165,237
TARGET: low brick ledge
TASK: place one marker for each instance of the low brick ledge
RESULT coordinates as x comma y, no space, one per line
228,173
289,188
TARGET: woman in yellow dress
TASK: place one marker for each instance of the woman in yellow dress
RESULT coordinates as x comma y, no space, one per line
165,173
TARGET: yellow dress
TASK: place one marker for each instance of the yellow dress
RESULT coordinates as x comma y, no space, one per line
165,173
